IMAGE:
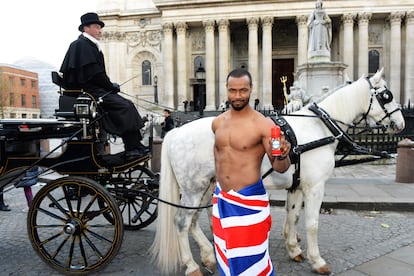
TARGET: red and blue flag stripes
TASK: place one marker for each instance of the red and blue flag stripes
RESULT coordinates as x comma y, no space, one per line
241,225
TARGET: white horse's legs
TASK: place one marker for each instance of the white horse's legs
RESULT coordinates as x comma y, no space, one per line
206,248
183,220
313,201
293,206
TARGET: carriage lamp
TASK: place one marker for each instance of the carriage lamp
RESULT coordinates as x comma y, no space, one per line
84,107
200,75
156,89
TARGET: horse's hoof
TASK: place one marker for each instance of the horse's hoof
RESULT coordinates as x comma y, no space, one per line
210,267
299,258
323,270
209,270
196,273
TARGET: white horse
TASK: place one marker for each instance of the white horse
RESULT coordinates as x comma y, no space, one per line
187,175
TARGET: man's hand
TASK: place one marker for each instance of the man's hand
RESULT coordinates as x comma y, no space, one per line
284,147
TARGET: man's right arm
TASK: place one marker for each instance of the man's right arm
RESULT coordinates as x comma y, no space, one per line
102,80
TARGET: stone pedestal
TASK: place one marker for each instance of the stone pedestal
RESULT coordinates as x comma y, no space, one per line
318,78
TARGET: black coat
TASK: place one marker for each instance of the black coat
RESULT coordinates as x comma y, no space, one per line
167,126
84,68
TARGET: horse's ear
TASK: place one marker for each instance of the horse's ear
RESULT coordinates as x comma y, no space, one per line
378,75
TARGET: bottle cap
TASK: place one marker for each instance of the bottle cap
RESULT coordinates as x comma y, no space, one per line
275,131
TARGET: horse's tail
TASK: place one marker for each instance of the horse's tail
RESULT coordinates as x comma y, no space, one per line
165,250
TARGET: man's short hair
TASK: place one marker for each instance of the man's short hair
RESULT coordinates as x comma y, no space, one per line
238,73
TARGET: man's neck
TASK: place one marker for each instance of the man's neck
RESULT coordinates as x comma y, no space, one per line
91,38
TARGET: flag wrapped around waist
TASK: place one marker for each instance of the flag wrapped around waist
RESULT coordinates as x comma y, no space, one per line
241,225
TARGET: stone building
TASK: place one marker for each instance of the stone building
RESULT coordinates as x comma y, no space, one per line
169,41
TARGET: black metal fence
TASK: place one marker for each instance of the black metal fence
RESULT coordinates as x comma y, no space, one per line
377,140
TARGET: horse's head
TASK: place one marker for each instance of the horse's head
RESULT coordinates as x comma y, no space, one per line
383,111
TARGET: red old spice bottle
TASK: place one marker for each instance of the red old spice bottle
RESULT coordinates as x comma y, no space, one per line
275,135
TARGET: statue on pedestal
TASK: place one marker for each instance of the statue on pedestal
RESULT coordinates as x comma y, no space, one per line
320,34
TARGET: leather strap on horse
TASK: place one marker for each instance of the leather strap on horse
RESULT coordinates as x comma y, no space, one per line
293,155
296,149
326,119
341,135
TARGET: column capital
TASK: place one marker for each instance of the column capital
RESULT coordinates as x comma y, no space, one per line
181,27
168,27
395,17
364,17
348,18
267,21
252,22
409,17
223,24
302,20
209,25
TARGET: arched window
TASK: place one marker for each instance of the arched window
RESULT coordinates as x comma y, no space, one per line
373,61
146,73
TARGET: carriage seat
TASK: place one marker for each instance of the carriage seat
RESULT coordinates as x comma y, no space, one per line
57,78
67,97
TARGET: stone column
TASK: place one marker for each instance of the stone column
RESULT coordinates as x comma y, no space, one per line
224,50
168,94
409,59
182,76
301,21
395,54
252,24
267,23
363,20
113,61
348,44
210,65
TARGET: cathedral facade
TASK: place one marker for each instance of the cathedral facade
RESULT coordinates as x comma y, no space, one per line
178,53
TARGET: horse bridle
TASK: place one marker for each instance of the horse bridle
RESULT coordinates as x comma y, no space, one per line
383,97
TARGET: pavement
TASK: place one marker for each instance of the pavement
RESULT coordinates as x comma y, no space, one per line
372,243
370,187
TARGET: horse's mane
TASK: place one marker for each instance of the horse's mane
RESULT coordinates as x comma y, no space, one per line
324,96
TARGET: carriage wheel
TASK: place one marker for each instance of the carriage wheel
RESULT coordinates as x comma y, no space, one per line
68,228
136,191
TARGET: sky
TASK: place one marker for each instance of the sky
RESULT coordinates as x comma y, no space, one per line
41,29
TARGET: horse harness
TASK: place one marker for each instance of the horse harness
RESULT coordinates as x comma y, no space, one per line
383,97
296,149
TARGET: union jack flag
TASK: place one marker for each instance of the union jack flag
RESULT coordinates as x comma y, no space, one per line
241,226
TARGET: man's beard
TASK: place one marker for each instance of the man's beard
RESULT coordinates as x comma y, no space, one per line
238,108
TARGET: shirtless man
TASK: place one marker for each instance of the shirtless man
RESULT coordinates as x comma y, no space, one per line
241,215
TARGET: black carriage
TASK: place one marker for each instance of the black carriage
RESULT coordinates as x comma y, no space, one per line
76,221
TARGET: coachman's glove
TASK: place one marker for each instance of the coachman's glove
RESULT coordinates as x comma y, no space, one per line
115,87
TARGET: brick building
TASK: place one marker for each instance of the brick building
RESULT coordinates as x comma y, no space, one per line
19,93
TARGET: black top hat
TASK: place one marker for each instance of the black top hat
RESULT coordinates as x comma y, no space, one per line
90,18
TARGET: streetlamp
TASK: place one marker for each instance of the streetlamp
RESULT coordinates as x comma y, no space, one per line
201,76
155,89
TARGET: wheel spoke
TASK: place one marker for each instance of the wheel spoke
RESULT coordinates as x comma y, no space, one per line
84,240
53,215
